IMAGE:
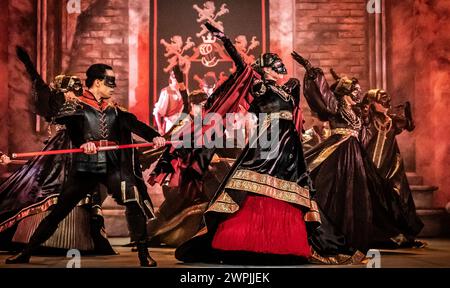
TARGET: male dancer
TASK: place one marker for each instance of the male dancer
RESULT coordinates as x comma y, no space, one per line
93,121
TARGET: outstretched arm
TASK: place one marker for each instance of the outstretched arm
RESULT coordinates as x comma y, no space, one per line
409,117
318,94
25,59
234,54
404,120
47,103
139,128
182,88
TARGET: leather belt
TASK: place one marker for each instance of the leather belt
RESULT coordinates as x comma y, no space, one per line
104,143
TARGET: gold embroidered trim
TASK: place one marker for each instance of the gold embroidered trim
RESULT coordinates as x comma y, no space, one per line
325,153
224,204
345,131
267,185
286,115
39,207
340,259
312,216
398,162
383,129
254,182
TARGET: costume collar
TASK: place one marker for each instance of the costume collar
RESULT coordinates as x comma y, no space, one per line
89,99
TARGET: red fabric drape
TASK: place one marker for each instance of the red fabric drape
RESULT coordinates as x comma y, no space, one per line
228,101
264,225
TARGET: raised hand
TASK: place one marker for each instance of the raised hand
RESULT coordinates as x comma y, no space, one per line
22,55
408,115
216,32
25,59
302,61
310,70
334,74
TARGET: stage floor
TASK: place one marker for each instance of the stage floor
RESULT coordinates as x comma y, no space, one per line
435,255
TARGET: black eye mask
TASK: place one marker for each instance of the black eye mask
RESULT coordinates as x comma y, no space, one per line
110,81
385,100
273,61
279,67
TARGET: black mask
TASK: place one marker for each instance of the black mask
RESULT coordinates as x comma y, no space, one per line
279,67
273,61
345,86
385,100
110,81
380,96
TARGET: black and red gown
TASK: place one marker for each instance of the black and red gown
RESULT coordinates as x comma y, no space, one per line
379,140
349,190
264,208
265,202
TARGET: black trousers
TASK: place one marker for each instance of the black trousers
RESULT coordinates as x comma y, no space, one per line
78,185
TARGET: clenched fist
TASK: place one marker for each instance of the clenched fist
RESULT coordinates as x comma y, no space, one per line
4,159
89,148
159,142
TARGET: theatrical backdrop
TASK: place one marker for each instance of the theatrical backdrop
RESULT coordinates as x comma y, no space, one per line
404,50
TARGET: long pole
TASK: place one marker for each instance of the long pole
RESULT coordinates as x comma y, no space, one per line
80,150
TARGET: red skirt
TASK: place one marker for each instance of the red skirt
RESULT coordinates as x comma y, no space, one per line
264,225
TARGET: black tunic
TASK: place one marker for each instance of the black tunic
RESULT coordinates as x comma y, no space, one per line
83,122
35,188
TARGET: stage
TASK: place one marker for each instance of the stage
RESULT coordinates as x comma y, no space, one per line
435,255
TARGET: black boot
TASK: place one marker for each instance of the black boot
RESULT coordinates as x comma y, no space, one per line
22,257
144,257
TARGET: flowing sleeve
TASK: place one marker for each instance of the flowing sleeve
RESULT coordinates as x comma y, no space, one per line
185,99
400,124
292,86
232,96
47,102
319,96
137,127
234,54
366,134
403,120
